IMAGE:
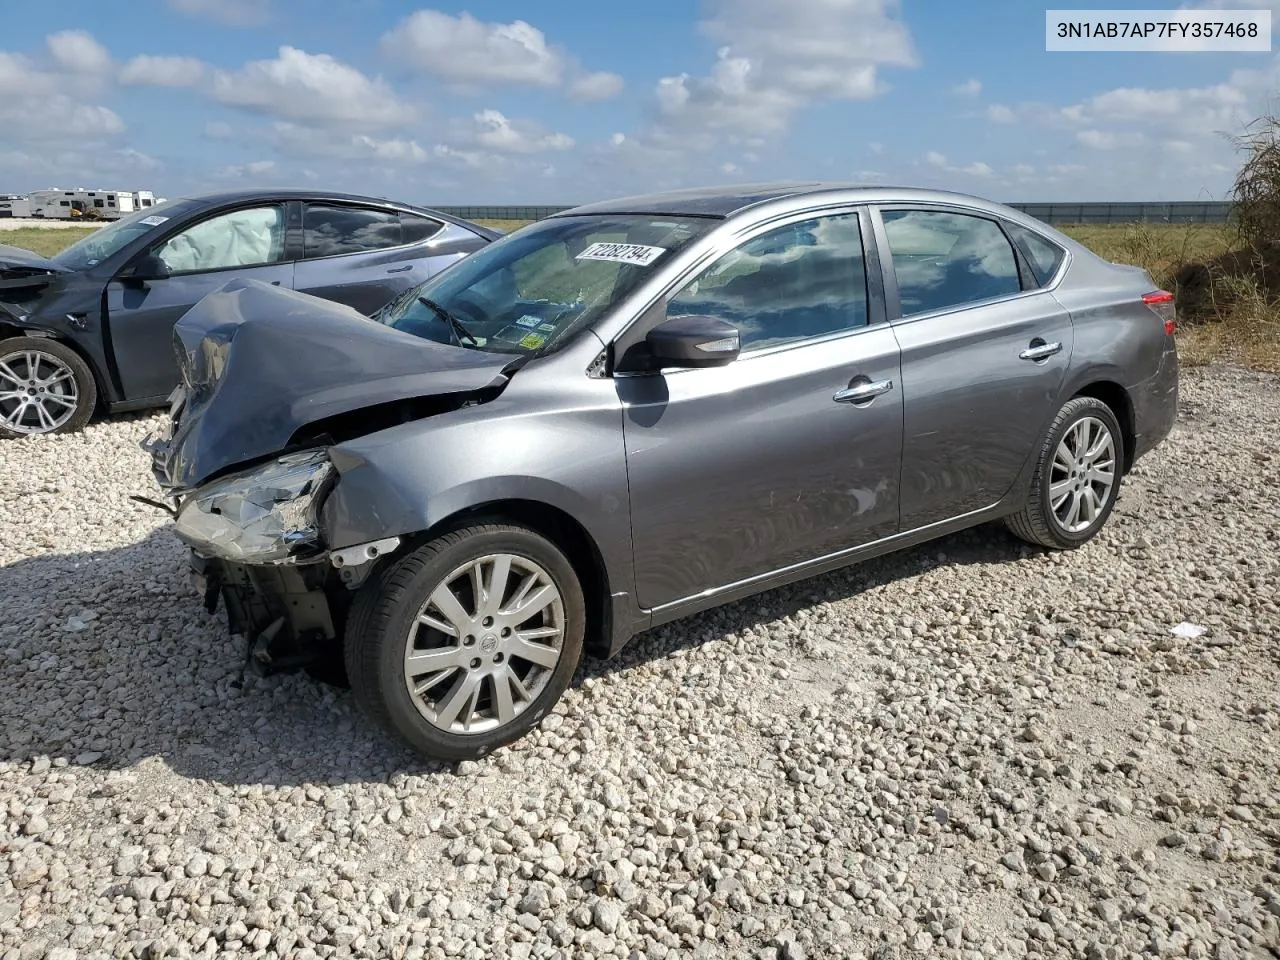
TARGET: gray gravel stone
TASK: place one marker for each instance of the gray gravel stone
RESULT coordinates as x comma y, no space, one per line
970,750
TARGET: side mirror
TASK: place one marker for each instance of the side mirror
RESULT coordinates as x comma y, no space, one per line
692,341
147,268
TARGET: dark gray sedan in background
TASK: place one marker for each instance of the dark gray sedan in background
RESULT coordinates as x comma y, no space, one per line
637,410
93,325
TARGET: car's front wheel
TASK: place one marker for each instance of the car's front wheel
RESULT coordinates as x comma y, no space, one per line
1077,477
45,387
465,644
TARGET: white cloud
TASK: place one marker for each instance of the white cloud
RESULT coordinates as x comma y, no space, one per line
970,88
999,113
312,88
591,87
475,54
76,51
217,130
939,161
136,160
306,141
53,102
162,71
467,50
236,13
254,170
776,58
495,131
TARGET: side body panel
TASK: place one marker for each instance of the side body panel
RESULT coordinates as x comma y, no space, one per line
974,409
553,437
742,469
370,280
141,317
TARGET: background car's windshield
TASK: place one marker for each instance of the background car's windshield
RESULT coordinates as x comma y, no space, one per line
105,241
541,284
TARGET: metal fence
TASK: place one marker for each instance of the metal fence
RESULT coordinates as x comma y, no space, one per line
1187,211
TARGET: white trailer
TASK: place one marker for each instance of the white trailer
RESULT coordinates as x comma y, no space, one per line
81,204
12,205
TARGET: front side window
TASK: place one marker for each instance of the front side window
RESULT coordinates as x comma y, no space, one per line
242,238
536,287
945,260
799,281
329,231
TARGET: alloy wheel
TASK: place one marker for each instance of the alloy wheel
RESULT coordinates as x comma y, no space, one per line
38,392
1083,474
485,644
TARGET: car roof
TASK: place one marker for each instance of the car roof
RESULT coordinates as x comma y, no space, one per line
726,201
233,197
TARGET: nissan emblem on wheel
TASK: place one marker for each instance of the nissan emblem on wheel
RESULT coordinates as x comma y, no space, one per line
627,413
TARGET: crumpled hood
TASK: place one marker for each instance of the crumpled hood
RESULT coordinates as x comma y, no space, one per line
22,268
259,362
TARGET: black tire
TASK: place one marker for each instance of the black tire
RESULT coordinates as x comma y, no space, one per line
1037,523
11,353
387,606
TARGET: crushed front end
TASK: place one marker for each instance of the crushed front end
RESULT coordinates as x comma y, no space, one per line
255,543
272,381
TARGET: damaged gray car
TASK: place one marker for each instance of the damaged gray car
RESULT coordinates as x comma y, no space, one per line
634,411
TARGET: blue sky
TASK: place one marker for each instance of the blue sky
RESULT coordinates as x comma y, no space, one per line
565,102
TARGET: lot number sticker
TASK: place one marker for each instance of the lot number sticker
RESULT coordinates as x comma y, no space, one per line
153,221
636,253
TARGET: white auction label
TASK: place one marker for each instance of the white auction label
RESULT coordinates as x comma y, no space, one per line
1158,31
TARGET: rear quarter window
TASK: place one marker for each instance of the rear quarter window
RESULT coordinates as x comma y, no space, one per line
1045,256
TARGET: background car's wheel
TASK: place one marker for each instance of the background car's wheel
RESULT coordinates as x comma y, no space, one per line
1077,477
466,643
45,387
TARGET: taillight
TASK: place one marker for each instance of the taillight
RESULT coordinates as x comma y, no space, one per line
1160,302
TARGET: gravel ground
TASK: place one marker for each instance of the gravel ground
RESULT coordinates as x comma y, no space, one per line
972,749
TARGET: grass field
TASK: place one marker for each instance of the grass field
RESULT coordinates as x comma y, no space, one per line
1229,301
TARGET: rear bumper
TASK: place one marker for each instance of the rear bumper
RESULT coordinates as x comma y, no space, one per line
1155,405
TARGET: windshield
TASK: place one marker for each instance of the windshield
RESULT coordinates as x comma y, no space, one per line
107,240
539,285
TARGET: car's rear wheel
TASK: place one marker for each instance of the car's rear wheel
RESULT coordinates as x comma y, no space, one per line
465,644
1077,477
45,387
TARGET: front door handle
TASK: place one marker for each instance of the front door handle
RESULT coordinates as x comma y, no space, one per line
1039,350
407,266
863,392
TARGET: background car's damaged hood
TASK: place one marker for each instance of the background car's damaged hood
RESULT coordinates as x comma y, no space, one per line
21,268
259,362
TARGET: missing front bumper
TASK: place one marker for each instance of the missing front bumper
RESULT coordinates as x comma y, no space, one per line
289,617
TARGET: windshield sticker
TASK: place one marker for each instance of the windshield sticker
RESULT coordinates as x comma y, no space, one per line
153,221
532,341
547,327
529,321
636,253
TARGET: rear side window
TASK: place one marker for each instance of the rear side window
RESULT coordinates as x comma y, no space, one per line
328,231
946,260
416,229
1044,255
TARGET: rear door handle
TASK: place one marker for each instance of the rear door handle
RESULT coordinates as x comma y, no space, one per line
1040,350
863,392
407,266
